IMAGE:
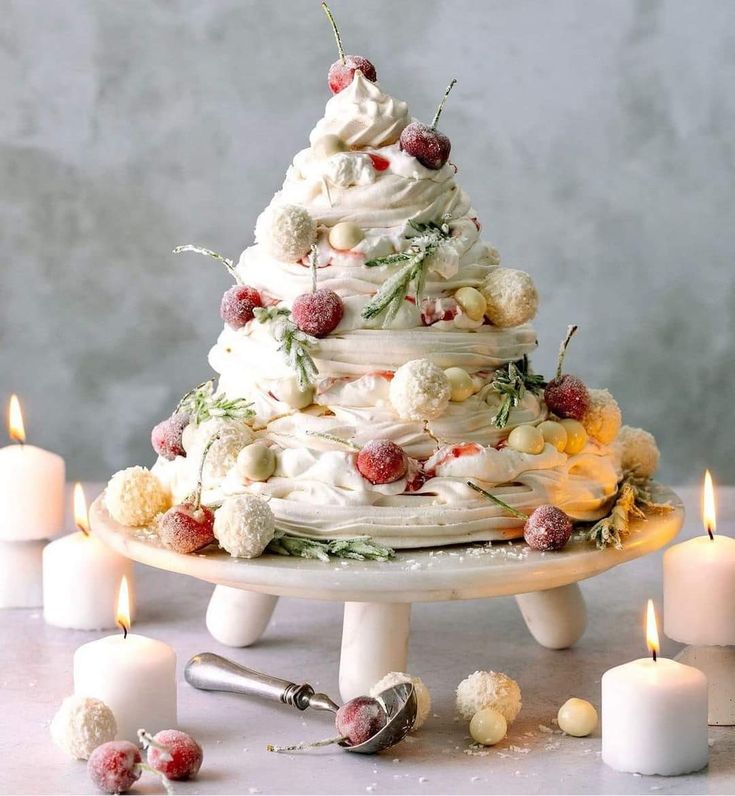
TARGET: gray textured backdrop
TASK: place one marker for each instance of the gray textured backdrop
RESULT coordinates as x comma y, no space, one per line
596,138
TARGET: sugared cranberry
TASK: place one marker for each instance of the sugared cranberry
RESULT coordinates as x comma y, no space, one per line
318,313
424,142
115,766
548,528
342,71
187,527
382,462
166,436
182,758
238,304
566,395
360,719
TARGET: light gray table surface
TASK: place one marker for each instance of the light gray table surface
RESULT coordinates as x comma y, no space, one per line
449,641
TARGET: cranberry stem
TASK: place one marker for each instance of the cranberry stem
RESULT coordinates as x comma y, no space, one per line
498,501
563,348
145,739
301,746
228,264
337,37
200,480
441,104
314,264
165,781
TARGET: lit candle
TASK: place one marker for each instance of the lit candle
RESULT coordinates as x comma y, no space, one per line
654,714
134,675
81,577
31,486
699,584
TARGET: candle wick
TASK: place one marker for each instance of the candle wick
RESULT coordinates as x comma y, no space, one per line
711,535
81,528
124,629
655,656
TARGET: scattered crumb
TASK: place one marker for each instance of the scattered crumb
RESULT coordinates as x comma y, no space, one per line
423,779
544,728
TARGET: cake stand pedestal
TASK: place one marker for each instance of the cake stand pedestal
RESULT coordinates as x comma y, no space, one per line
377,596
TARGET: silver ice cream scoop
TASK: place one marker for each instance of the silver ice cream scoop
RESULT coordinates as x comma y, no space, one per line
211,672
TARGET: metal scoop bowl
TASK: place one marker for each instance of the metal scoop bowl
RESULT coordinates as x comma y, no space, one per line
210,672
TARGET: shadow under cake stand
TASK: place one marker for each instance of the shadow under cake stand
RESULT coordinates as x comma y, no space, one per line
377,596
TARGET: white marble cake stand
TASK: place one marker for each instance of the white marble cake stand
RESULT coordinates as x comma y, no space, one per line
378,596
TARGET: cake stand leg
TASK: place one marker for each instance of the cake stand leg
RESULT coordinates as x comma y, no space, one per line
556,618
374,642
718,663
238,618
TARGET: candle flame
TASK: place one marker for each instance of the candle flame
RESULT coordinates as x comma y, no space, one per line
652,630
16,429
123,606
709,512
81,518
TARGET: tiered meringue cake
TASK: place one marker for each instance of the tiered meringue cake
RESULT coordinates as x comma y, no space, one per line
357,171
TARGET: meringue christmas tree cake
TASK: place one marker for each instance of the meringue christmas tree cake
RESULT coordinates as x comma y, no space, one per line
374,387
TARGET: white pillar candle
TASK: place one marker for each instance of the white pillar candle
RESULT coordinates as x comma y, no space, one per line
654,717
82,576
135,676
31,487
20,574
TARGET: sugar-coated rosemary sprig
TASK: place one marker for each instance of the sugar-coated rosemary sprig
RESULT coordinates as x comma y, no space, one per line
334,438
511,382
392,293
294,343
359,548
633,497
202,404
228,264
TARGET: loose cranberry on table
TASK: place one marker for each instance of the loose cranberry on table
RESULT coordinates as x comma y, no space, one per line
382,462
424,142
182,758
359,719
115,766
166,436
566,395
238,305
342,72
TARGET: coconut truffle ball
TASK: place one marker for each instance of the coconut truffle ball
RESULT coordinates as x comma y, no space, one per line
286,232
244,526
512,298
639,453
419,390
82,724
603,418
234,435
489,690
423,697
135,496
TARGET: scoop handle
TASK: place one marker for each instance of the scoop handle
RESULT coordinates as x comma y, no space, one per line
210,672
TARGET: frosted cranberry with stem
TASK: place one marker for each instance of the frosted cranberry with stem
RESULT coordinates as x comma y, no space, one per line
547,528
238,305
342,72
566,395
381,461
115,766
360,719
424,142
317,313
189,526
166,436
173,753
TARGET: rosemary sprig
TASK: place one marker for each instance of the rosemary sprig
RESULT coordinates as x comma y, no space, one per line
511,382
334,438
359,548
202,404
228,264
291,341
497,501
633,497
392,293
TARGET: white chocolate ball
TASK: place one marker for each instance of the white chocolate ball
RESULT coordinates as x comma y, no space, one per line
256,462
488,727
554,433
603,418
489,690
511,295
576,435
244,526
461,386
526,439
472,302
423,697
286,232
419,390
345,236
135,496
639,454
288,391
82,724
577,717
327,145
